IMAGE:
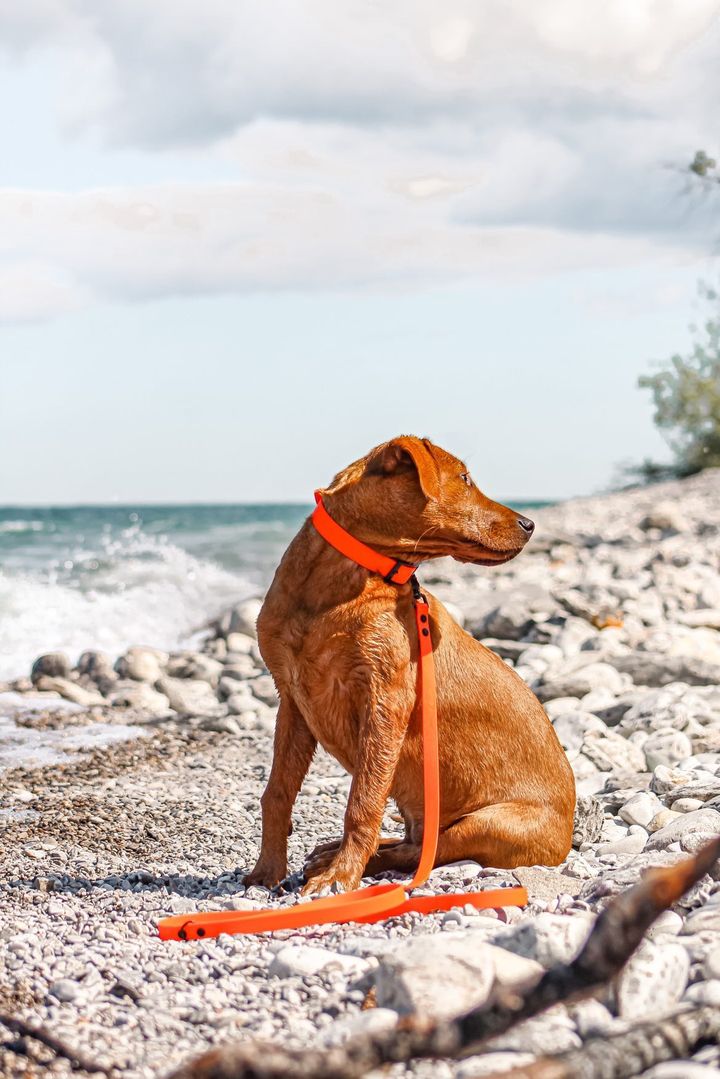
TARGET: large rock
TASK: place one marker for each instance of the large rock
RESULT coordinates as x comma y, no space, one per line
407,978
699,643
548,1034
661,819
264,689
511,621
610,752
505,649
673,705
71,691
52,665
548,938
666,517
141,664
633,843
580,682
538,657
66,991
588,822
188,696
546,884
612,714
239,666
666,780
571,728
703,790
302,960
653,980
368,1022
241,618
706,919
666,746
227,687
704,821
575,634
707,617
195,665
491,1065
96,665
660,669
139,696
641,808
240,643
684,1069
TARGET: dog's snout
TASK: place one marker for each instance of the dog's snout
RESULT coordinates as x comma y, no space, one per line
527,525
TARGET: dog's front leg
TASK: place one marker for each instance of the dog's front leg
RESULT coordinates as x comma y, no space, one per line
380,743
292,754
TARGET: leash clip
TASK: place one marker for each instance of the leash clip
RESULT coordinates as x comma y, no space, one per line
418,594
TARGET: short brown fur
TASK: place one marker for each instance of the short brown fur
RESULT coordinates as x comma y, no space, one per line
341,646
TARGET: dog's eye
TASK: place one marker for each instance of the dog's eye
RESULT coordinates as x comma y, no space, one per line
465,477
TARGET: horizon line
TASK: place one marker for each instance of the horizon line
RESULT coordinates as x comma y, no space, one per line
188,504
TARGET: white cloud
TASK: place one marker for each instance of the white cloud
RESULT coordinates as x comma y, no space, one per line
144,243
180,71
373,144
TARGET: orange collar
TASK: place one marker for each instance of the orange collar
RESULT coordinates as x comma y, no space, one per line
392,570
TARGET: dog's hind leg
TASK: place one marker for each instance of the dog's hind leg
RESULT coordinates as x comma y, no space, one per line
504,835
293,752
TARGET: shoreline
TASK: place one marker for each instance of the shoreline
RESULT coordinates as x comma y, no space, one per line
612,614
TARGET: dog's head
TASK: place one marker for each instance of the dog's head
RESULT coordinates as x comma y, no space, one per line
415,501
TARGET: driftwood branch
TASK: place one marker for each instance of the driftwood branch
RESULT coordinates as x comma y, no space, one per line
632,1052
618,931
51,1041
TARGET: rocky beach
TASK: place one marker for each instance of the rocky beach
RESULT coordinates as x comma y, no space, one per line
130,790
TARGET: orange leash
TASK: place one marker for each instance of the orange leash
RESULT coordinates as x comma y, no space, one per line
378,901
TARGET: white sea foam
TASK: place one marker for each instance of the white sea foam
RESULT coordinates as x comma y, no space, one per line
21,526
28,748
137,589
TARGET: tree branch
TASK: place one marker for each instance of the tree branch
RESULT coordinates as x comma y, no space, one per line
631,1052
45,1037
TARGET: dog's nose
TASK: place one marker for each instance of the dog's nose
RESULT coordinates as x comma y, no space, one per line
527,525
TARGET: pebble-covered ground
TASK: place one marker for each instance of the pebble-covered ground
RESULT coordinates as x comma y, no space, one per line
131,789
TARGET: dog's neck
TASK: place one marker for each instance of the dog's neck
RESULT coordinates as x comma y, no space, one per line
348,512
316,576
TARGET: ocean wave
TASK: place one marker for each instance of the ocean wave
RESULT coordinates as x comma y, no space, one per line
21,526
134,589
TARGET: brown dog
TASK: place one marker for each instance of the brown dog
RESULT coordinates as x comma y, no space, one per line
341,646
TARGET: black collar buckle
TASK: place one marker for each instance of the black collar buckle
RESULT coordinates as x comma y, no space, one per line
389,577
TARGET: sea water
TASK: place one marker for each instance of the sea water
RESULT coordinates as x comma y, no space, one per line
107,577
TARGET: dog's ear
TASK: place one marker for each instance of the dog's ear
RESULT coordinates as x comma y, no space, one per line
406,454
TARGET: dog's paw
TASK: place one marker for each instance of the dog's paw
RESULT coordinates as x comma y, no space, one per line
319,861
266,875
331,880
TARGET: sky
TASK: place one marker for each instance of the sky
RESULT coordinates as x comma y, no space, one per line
241,243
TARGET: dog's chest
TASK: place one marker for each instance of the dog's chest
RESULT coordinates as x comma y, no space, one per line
332,674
